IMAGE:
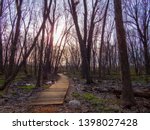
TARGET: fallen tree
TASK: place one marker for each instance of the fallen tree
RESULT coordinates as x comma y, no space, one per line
145,93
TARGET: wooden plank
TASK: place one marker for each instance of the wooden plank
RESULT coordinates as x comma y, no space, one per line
52,94
47,103
55,90
42,99
55,94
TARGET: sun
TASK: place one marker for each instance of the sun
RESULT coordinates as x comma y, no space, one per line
58,32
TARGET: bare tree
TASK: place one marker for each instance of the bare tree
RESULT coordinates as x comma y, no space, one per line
85,40
47,8
49,49
1,46
16,37
127,92
139,13
102,39
19,65
26,30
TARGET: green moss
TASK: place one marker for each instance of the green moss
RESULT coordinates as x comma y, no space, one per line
27,88
2,81
76,95
92,99
98,104
143,79
113,101
45,86
88,96
20,77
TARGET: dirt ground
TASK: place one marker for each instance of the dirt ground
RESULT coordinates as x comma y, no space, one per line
94,102
91,100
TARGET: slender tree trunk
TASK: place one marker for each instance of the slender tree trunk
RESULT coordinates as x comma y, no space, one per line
1,46
47,7
25,42
1,52
134,58
35,61
147,58
102,41
16,38
94,61
25,52
39,76
127,92
48,58
86,68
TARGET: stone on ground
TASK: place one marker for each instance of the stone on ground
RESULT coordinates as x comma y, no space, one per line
74,104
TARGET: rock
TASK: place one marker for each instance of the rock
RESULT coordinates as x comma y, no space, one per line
48,83
75,79
65,73
27,84
74,104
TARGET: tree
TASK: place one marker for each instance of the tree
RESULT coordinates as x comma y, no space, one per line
139,13
1,46
20,64
102,39
127,92
86,39
26,30
16,38
50,40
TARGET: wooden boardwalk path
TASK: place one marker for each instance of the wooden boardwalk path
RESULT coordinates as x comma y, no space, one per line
55,94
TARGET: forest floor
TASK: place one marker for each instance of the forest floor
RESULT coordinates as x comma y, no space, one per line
92,100
90,97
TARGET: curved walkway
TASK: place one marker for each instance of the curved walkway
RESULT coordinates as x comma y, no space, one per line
55,94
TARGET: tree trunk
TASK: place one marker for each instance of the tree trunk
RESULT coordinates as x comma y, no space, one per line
147,58
48,54
86,67
39,76
83,48
16,38
35,61
102,41
142,94
127,91
1,46
1,52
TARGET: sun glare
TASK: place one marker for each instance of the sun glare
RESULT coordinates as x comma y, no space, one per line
58,32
